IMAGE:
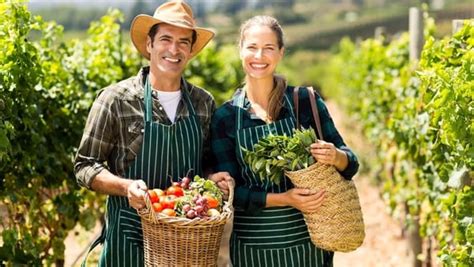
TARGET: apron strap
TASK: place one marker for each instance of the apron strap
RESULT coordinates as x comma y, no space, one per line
188,101
148,101
99,240
240,108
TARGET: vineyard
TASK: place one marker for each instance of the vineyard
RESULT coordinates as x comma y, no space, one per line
46,90
418,116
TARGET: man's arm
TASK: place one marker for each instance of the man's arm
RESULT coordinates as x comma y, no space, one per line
107,183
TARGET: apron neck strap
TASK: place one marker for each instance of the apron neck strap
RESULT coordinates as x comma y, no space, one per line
149,102
187,98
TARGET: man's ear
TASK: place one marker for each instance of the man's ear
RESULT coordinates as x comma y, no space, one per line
149,44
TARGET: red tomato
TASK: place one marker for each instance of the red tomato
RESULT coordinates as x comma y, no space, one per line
153,196
169,212
167,202
212,203
157,207
175,191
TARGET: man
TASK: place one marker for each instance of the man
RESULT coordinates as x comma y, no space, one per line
147,131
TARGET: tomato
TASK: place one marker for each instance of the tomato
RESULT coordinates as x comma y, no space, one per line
169,212
167,202
157,207
153,196
159,192
212,203
175,191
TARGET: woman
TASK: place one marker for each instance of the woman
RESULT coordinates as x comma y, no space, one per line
269,229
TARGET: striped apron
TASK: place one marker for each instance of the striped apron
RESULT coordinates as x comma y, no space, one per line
276,236
167,152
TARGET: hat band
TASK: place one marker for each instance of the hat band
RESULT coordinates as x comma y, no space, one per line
177,22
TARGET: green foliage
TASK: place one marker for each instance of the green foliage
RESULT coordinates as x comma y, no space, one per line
47,87
419,117
275,154
217,70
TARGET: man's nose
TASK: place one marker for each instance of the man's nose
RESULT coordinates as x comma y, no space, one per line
174,48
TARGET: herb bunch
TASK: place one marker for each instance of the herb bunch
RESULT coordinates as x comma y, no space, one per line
275,154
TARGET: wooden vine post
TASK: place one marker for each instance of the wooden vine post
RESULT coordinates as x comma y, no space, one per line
416,41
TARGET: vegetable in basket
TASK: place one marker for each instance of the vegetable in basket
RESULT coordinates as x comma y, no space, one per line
275,154
200,198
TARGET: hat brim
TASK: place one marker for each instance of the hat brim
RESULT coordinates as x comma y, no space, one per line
141,26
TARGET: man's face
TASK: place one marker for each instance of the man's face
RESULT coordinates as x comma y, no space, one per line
170,50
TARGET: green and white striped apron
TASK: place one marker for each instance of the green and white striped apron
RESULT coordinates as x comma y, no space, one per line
276,236
167,152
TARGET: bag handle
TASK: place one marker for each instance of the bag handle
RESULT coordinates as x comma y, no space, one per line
314,109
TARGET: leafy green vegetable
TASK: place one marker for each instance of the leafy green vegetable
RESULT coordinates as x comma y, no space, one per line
204,185
275,154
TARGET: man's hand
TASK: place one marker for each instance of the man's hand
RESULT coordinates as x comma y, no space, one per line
136,194
222,179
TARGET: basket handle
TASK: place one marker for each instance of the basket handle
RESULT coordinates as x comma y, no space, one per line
145,211
231,191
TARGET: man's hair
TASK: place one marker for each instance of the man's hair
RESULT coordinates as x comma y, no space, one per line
154,29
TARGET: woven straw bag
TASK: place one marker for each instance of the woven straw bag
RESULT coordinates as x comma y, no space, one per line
176,241
338,224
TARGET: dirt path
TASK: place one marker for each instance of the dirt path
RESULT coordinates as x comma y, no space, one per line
383,245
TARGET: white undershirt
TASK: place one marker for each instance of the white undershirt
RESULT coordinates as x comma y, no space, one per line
169,101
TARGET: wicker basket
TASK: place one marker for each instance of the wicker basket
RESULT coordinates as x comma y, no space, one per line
176,241
338,224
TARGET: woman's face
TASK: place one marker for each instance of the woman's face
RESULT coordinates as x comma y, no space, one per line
259,52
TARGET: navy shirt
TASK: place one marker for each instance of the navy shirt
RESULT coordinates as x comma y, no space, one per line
223,143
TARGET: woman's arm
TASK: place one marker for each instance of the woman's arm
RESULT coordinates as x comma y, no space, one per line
332,150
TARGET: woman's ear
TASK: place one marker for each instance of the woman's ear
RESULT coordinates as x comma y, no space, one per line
282,51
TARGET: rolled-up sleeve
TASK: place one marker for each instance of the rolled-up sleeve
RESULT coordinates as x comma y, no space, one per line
97,140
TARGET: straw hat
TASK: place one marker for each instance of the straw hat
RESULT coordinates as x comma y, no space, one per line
176,13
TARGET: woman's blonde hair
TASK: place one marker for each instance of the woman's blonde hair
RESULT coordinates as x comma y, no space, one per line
275,102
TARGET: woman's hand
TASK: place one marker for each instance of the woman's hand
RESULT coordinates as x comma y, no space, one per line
222,179
305,200
327,153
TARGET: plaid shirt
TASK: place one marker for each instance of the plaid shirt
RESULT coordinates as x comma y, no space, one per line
223,130
113,133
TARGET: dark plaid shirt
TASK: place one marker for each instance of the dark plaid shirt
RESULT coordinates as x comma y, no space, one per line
223,130
113,133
